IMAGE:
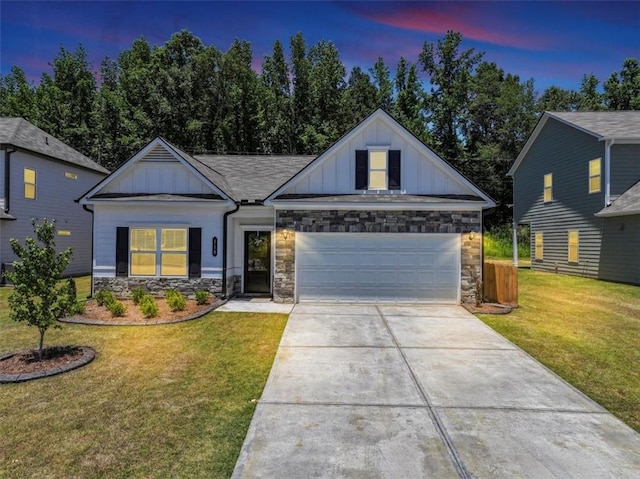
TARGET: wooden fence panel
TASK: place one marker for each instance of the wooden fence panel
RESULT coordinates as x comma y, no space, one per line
500,283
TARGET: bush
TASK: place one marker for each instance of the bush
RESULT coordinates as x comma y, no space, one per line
175,300
105,298
78,307
202,296
148,306
498,242
136,295
117,309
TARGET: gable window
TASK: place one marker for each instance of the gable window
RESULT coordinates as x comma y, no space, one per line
594,175
30,183
377,169
158,250
548,187
573,247
539,246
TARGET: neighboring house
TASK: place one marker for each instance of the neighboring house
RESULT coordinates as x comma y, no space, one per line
376,217
40,177
576,183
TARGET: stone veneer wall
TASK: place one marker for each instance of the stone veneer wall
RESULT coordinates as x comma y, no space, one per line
123,286
404,221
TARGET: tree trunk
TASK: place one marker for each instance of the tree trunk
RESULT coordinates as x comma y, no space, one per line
42,331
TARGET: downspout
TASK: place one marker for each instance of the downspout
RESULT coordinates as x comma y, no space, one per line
84,207
607,171
7,178
224,248
515,243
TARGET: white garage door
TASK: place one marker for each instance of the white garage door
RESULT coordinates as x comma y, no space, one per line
371,267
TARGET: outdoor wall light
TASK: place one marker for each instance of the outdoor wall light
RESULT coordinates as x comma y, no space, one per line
285,234
214,246
472,235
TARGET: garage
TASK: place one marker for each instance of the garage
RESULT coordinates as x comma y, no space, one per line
377,267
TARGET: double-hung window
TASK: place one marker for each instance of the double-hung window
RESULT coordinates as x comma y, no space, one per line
539,246
595,176
548,187
573,241
378,169
158,251
30,183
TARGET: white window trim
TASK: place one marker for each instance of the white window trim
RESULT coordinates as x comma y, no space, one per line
25,183
535,246
599,175
544,188
378,149
158,250
577,260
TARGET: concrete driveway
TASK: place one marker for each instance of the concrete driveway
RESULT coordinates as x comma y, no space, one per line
366,391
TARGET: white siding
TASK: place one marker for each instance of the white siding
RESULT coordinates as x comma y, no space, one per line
154,177
422,173
109,217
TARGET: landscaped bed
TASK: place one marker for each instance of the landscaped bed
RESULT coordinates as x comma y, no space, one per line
170,400
587,331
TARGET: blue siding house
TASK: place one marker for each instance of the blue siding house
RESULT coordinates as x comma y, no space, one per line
576,183
40,177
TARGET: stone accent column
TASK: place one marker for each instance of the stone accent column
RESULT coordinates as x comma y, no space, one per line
471,268
284,274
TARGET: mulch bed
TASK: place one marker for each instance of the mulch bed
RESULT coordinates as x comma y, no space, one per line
24,365
489,308
100,315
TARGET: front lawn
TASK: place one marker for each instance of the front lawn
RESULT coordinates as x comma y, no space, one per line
159,401
585,330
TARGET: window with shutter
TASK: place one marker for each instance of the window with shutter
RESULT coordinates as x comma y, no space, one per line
378,169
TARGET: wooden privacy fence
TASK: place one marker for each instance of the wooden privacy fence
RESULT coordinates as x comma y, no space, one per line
500,283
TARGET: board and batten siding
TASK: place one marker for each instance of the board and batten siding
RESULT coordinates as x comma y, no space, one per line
625,168
564,152
109,217
158,172
336,174
55,195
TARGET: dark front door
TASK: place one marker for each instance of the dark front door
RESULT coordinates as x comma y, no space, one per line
257,261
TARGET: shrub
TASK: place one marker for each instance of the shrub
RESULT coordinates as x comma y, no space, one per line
78,307
148,306
136,295
202,296
105,298
175,300
117,309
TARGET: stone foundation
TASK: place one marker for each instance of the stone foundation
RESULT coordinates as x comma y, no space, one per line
122,287
356,221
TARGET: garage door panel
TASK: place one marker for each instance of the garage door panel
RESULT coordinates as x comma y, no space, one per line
366,267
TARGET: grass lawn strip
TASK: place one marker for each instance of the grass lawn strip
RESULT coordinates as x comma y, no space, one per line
585,330
167,401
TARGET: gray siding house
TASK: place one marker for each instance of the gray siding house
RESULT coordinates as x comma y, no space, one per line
40,177
576,183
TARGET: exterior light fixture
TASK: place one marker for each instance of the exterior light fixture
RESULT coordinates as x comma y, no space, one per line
472,235
285,234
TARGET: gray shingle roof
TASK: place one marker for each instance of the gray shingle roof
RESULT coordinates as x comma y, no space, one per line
19,132
628,203
252,177
604,124
378,198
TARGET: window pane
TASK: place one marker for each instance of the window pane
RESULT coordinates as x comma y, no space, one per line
547,195
548,180
30,191
174,240
143,264
29,175
173,264
594,167
378,160
143,240
377,180
594,184
538,246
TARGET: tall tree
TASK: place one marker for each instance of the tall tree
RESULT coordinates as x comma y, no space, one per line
555,98
622,90
450,72
360,97
380,74
410,98
301,95
588,97
17,96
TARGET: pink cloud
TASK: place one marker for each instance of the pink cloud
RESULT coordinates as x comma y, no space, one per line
466,20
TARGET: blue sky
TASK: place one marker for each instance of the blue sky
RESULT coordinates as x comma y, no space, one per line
553,42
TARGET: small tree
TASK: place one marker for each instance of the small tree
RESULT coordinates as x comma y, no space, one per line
38,297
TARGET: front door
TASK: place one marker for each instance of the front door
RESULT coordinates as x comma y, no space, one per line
257,262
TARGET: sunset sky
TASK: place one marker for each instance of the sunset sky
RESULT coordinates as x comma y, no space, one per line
553,42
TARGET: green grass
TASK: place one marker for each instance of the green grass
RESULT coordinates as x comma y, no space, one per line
587,331
158,401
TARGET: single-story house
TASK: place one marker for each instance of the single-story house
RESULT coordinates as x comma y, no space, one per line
41,177
377,217
576,183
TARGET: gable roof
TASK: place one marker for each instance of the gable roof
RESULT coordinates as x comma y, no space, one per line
22,134
379,113
254,177
620,126
628,203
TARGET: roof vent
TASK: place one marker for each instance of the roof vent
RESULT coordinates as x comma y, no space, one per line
46,140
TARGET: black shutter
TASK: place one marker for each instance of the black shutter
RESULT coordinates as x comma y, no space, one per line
394,170
122,251
362,169
195,252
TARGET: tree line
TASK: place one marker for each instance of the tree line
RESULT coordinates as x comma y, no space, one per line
468,110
